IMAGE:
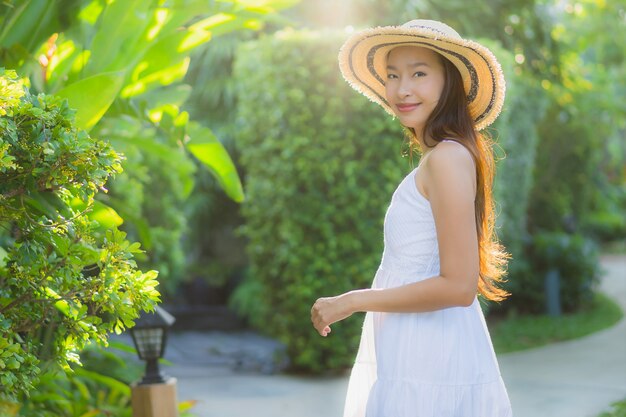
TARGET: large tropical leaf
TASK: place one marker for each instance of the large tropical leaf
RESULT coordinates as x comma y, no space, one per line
118,37
92,96
165,62
210,151
27,23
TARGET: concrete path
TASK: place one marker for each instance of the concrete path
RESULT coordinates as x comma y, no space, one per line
578,378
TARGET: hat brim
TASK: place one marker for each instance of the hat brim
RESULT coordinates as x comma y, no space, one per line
362,61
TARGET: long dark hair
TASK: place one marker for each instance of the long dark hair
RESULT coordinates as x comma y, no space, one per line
451,120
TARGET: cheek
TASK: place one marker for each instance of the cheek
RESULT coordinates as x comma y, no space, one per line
388,91
438,87
432,92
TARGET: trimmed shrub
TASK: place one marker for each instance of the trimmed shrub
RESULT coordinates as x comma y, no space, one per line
321,164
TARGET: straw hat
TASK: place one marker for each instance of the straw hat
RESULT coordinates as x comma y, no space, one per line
362,60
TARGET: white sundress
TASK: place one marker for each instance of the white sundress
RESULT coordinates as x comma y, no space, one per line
435,364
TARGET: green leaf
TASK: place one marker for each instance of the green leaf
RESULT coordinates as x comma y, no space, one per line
61,305
223,23
3,256
48,204
171,95
165,62
118,37
92,96
105,215
210,151
107,381
26,25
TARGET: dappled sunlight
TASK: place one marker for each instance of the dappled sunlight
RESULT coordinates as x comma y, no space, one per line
211,22
161,16
91,13
193,39
164,76
267,5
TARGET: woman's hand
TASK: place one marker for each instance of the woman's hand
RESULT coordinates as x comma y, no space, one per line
329,310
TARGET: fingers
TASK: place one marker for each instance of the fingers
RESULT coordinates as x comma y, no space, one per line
319,323
325,331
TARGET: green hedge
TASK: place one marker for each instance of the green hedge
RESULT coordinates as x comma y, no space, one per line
321,165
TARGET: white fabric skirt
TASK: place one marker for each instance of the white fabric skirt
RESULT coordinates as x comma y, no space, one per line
436,364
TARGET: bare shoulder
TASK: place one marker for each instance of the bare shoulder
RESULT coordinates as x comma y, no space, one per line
450,163
450,154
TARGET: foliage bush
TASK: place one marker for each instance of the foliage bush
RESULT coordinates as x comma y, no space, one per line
568,180
515,132
67,274
321,164
579,183
568,175
516,135
150,195
573,256
618,409
99,387
580,177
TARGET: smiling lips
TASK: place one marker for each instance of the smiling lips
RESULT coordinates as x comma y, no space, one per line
407,107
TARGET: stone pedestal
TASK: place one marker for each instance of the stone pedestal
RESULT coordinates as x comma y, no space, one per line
155,400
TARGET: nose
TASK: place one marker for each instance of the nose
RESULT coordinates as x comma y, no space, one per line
404,87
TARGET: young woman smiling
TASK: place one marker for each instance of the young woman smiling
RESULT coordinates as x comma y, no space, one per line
425,349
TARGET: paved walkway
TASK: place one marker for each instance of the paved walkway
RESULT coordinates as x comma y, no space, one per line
227,374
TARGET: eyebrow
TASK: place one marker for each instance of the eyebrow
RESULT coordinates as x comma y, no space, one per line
413,65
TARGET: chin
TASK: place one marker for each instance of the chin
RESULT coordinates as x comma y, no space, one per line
412,124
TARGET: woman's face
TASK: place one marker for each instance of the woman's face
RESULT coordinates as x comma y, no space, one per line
415,80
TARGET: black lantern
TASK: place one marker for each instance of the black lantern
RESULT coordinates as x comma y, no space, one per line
150,337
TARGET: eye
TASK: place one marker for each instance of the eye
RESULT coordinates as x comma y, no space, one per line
391,76
419,74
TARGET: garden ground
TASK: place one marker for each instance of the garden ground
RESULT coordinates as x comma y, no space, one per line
227,373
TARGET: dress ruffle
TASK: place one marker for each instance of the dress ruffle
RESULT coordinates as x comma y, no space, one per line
405,398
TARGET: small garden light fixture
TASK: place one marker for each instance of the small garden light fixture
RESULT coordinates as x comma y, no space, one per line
150,336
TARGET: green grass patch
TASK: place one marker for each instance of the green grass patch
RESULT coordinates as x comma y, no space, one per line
515,333
618,410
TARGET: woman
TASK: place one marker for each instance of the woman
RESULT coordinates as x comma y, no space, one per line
425,350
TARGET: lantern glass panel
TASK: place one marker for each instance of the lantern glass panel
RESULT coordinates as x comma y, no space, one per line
149,342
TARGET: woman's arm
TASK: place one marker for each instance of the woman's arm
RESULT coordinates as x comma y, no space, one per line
450,184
